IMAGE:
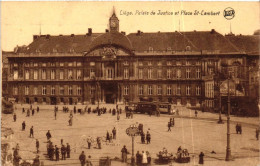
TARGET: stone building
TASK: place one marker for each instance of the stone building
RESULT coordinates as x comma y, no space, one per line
179,67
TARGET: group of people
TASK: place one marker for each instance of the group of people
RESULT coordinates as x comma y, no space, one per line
171,123
146,137
143,158
84,161
112,135
54,150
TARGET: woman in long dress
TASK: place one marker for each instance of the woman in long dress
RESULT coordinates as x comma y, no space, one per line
144,160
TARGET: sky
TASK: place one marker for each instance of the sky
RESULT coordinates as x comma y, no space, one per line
21,20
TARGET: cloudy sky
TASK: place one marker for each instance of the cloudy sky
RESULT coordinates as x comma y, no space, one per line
21,20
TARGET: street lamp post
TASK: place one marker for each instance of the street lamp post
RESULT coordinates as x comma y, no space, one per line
228,150
132,131
220,108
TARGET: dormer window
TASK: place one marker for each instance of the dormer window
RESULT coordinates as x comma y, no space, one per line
54,50
72,50
188,48
150,49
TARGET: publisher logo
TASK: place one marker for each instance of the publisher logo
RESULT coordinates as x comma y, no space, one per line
229,13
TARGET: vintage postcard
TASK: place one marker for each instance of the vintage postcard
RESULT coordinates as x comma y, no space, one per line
130,83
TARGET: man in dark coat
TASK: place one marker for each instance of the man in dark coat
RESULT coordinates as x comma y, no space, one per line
38,109
142,137
63,152
31,132
82,158
57,153
48,135
68,150
169,126
114,133
75,110
23,125
148,137
37,145
107,137
51,151
32,112
124,154
138,158
201,158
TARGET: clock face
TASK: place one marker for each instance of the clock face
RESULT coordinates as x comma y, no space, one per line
113,24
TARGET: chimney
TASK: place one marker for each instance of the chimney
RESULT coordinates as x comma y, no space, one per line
138,32
212,31
48,36
35,37
123,32
107,30
89,31
72,35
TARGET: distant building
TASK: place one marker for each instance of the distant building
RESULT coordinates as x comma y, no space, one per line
179,67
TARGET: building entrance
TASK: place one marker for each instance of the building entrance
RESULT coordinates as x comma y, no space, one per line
110,92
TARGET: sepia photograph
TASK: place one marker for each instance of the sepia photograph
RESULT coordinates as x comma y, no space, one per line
130,83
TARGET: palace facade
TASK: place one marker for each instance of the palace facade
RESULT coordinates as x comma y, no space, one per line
184,68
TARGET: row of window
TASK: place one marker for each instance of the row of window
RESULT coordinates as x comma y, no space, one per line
52,64
126,63
169,73
159,89
44,90
52,74
109,74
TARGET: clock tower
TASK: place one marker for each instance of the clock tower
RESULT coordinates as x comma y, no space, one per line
113,22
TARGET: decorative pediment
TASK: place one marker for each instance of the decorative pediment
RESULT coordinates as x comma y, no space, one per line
108,53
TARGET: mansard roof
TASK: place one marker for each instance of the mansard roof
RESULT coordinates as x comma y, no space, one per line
179,41
250,44
140,42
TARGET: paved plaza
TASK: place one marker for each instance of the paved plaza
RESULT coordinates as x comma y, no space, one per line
200,134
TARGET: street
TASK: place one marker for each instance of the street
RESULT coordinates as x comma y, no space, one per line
195,134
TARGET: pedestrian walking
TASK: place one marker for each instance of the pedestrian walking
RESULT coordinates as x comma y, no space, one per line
82,158
75,110
63,152
68,150
23,110
51,151
142,137
37,146
118,117
38,109
169,126
61,141
55,115
196,113
28,113
89,141
114,133
107,137
57,153
148,137
99,142
124,154
23,126
31,132
14,117
48,135
32,112
201,158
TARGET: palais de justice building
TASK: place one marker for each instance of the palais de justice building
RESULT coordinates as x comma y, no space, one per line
112,67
